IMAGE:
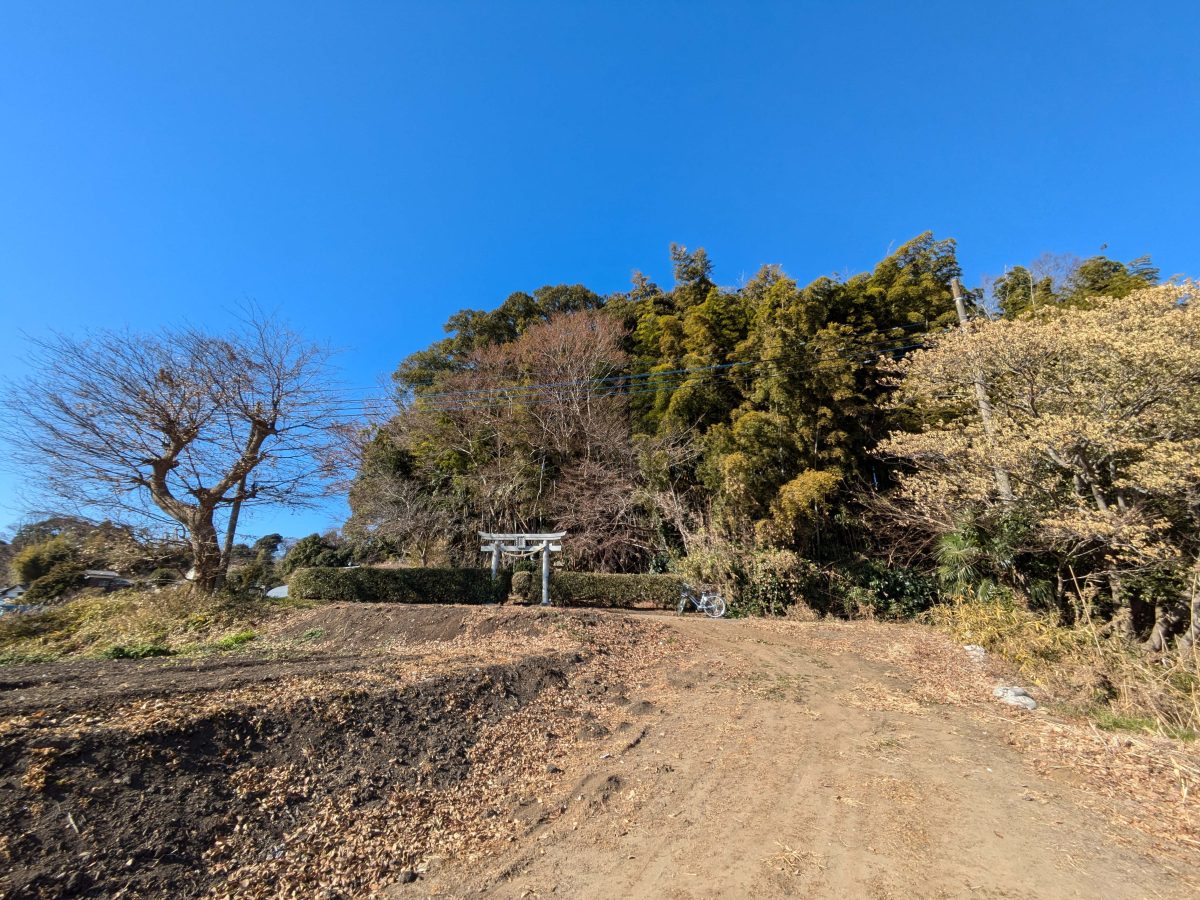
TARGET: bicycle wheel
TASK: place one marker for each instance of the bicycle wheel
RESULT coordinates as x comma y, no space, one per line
686,597
714,606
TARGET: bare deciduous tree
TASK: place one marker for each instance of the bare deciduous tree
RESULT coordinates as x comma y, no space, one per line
397,510
178,423
531,435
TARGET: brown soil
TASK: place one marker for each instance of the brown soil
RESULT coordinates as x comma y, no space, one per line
821,760
382,627
330,639
247,775
368,750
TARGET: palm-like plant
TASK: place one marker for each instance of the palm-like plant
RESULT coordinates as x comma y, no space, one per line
963,565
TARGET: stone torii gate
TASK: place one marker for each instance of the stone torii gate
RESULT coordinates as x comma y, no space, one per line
523,544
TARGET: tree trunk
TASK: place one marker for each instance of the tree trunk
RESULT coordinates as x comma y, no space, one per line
1190,640
206,553
1160,634
1004,488
1172,616
231,531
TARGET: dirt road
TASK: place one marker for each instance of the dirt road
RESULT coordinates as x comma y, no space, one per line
780,762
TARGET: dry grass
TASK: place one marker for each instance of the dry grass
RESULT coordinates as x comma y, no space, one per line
1103,676
795,862
1144,783
134,622
875,697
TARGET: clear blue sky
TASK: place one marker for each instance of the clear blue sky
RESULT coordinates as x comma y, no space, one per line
372,167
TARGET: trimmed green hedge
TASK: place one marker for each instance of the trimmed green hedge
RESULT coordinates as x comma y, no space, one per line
595,589
399,585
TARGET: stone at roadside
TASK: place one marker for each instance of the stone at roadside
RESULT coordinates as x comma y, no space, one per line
974,651
1014,696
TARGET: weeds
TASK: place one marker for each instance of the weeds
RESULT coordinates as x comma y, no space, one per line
18,657
1031,640
1110,721
135,624
1098,674
235,640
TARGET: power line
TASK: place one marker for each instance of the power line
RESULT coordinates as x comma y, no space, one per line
673,383
611,378
538,393
482,397
578,382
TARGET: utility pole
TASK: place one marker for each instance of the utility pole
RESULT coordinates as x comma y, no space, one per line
1003,483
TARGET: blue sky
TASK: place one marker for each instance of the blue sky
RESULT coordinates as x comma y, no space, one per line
369,168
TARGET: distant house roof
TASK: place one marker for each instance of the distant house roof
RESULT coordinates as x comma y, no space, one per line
13,592
105,578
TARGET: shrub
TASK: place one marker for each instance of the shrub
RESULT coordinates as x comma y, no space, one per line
592,589
1088,667
762,583
254,577
774,581
891,592
163,577
38,560
60,581
523,586
1028,639
313,551
137,651
331,559
400,585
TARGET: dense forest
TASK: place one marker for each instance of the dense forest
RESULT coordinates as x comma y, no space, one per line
821,443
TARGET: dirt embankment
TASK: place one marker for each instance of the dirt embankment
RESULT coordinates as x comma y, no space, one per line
326,773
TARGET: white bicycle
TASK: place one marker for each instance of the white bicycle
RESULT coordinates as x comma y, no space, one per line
710,603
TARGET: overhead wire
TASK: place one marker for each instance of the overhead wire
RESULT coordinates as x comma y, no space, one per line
653,387
676,379
626,384
506,389
641,375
